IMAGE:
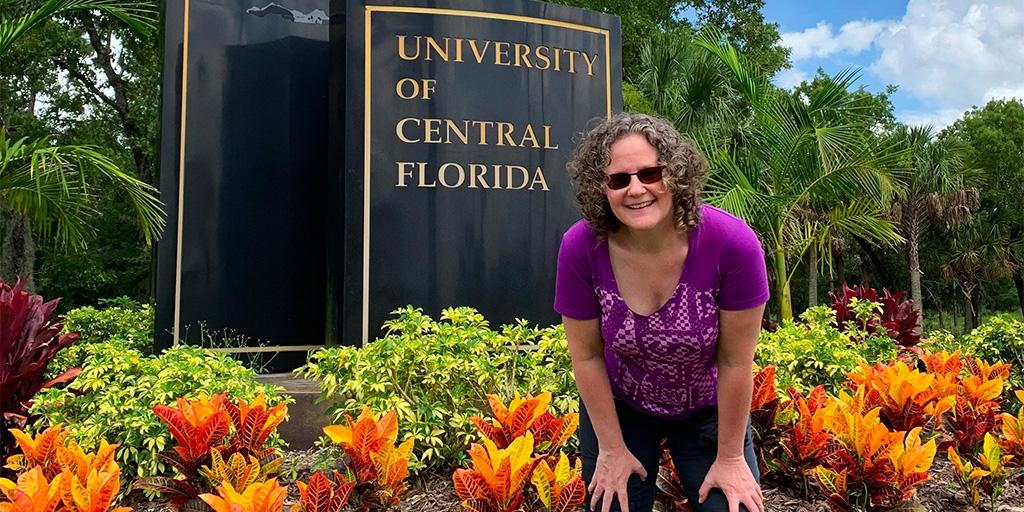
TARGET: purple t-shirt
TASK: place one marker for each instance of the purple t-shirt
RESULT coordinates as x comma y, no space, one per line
664,364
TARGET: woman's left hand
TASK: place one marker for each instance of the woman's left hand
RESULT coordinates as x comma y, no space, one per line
734,478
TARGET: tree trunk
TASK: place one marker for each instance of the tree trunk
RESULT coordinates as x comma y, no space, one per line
840,270
18,254
875,261
975,305
914,262
865,272
939,309
781,279
812,277
1019,283
968,306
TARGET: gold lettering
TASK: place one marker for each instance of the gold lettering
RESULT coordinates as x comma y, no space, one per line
403,174
558,59
538,175
590,63
458,49
523,172
483,131
477,171
478,54
401,49
431,127
543,57
499,53
497,176
399,130
423,172
547,138
503,135
572,59
462,135
444,183
529,135
431,43
522,51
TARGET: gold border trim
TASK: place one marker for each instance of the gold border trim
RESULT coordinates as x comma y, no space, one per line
366,181
366,109
181,179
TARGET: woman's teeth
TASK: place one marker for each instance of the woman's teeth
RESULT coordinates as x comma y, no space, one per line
639,206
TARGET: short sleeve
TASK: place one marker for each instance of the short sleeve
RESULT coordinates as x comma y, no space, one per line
744,281
574,281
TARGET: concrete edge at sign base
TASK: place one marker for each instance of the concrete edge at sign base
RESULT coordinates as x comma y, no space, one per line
306,418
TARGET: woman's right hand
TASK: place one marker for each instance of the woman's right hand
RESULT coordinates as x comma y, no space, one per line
611,476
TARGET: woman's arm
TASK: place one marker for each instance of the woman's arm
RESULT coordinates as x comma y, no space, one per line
614,461
738,332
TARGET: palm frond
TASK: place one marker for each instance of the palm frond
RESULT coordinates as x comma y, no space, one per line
140,16
51,185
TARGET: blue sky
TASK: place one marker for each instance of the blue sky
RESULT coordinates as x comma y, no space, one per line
945,55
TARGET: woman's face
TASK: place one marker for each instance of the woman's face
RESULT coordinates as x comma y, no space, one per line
638,206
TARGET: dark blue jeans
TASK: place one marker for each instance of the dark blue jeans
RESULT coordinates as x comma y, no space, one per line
692,442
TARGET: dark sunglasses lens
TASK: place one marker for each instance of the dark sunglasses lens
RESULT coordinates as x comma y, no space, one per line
648,176
617,181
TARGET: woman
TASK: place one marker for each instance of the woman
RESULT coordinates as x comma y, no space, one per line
661,297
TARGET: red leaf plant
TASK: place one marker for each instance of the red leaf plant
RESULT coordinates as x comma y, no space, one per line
31,339
899,318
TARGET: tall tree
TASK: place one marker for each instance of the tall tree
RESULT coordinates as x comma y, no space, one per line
740,20
994,136
52,184
874,114
978,252
941,189
797,157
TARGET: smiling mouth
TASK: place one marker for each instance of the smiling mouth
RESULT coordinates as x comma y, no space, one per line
640,206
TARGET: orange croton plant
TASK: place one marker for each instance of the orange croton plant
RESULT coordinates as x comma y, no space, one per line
496,481
322,495
40,451
561,489
86,482
527,414
377,467
259,497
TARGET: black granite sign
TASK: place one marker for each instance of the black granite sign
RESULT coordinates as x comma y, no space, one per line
319,174
459,119
243,171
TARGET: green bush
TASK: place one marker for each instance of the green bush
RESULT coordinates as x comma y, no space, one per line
814,352
1000,338
125,326
113,398
436,375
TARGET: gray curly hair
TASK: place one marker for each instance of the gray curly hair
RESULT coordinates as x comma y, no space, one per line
684,170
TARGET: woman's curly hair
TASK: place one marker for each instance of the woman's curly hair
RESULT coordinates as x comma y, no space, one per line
684,170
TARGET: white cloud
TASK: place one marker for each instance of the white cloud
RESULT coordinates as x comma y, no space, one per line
789,78
853,38
936,119
953,54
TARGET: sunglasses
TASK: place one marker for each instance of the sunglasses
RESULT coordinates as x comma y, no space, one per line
646,176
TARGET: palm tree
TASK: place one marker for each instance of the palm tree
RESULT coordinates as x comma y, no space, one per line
977,252
51,185
801,157
942,189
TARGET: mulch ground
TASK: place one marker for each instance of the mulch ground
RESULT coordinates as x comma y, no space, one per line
434,492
